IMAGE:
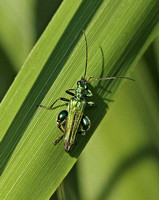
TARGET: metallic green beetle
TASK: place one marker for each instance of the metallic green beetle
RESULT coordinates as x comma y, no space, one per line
72,121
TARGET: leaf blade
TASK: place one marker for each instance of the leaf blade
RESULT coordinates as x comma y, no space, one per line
32,161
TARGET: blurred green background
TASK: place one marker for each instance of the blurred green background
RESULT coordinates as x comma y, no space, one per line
121,161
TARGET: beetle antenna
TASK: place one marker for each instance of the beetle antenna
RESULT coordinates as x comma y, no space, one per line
86,54
111,78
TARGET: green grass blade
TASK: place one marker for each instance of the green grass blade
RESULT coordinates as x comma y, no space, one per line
17,31
128,140
117,33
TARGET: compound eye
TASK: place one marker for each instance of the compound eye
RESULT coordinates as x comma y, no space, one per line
79,82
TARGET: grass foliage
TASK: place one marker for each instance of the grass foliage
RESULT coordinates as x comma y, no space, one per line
118,33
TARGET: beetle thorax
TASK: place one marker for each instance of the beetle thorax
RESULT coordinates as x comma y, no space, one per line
81,89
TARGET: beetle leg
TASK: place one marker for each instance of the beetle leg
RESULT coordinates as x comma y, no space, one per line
58,138
91,103
88,93
51,107
61,121
70,93
84,125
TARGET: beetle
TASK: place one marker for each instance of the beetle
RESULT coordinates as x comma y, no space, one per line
73,120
